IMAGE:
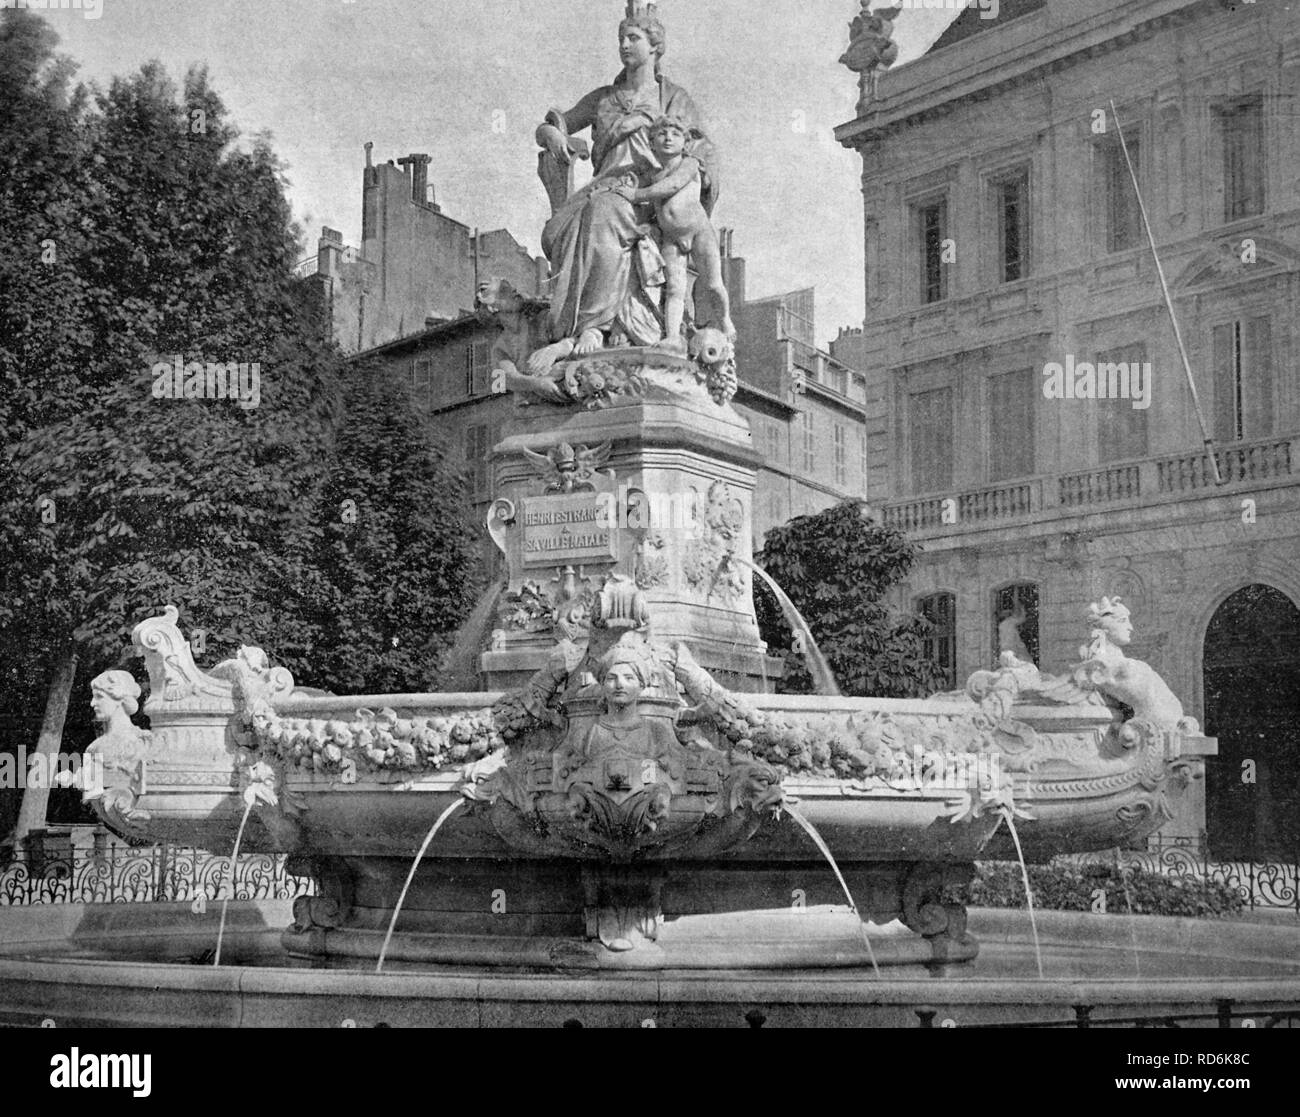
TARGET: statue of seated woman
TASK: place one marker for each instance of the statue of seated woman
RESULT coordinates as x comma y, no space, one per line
606,268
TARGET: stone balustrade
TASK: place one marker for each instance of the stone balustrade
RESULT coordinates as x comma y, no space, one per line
977,506
1257,461
1158,479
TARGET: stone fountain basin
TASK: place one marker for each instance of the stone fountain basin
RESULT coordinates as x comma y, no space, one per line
1075,795
123,965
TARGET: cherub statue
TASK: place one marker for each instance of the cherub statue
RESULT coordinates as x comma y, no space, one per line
687,231
871,45
1106,668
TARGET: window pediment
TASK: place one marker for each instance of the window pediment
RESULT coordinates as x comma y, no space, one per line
1227,262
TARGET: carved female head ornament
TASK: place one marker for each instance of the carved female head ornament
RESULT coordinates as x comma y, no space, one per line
1112,618
634,654
1109,607
120,687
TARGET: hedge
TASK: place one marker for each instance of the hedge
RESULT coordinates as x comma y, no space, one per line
1069,886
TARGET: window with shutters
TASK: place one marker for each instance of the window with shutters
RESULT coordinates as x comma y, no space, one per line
809,443
841,455
1015,621
1240,133
775,507
1012,397
477,373
773,448
1121,427
930,436
1122,224
932,232
1011,199
1243,379
939,645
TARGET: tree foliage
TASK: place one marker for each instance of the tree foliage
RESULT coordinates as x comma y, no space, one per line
396,567
837,567
172,238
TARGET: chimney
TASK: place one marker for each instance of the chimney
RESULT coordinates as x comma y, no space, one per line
733,268
416,166
329,252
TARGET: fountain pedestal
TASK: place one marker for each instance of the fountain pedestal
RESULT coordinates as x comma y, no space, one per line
651,483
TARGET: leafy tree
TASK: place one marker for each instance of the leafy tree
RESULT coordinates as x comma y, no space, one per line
837,566
173,239
396,566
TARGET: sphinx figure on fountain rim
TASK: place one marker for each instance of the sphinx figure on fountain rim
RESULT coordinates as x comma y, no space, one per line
1105,675
619,247
112,775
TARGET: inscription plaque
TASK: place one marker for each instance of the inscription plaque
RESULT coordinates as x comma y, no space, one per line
566,530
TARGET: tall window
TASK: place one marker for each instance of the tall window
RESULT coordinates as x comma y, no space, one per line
1241,132
930,428
1243,380
772,442
1012,197
1015,621
775,507
940,645
841,456
863,449
933,231
478,375
809,442
1121,427
1012,397
1123,216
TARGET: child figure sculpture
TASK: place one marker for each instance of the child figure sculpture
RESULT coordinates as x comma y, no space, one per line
687,230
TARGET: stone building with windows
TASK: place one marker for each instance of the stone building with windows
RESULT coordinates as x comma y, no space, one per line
805,407
1011,297
406,296
415,264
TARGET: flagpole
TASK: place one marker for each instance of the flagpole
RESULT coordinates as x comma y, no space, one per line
1169,302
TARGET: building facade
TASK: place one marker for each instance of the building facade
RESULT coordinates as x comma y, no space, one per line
415,263
805,407
1038,433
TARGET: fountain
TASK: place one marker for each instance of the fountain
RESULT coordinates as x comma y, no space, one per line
606,834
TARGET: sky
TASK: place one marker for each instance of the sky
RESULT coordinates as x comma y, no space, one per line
468,82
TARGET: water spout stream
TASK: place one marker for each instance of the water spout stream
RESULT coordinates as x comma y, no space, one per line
234,862
1128,903
401,899
822,676
1029,892
820,842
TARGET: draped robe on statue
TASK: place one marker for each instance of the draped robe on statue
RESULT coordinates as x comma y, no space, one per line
605,265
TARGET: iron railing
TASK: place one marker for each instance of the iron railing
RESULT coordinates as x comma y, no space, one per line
156,874
1262,885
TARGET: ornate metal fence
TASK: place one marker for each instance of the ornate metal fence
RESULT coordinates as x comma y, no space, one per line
157,874
1271,885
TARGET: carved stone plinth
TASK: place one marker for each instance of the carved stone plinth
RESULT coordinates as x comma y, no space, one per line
652,483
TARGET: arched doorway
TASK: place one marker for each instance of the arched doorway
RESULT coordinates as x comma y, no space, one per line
1252,704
